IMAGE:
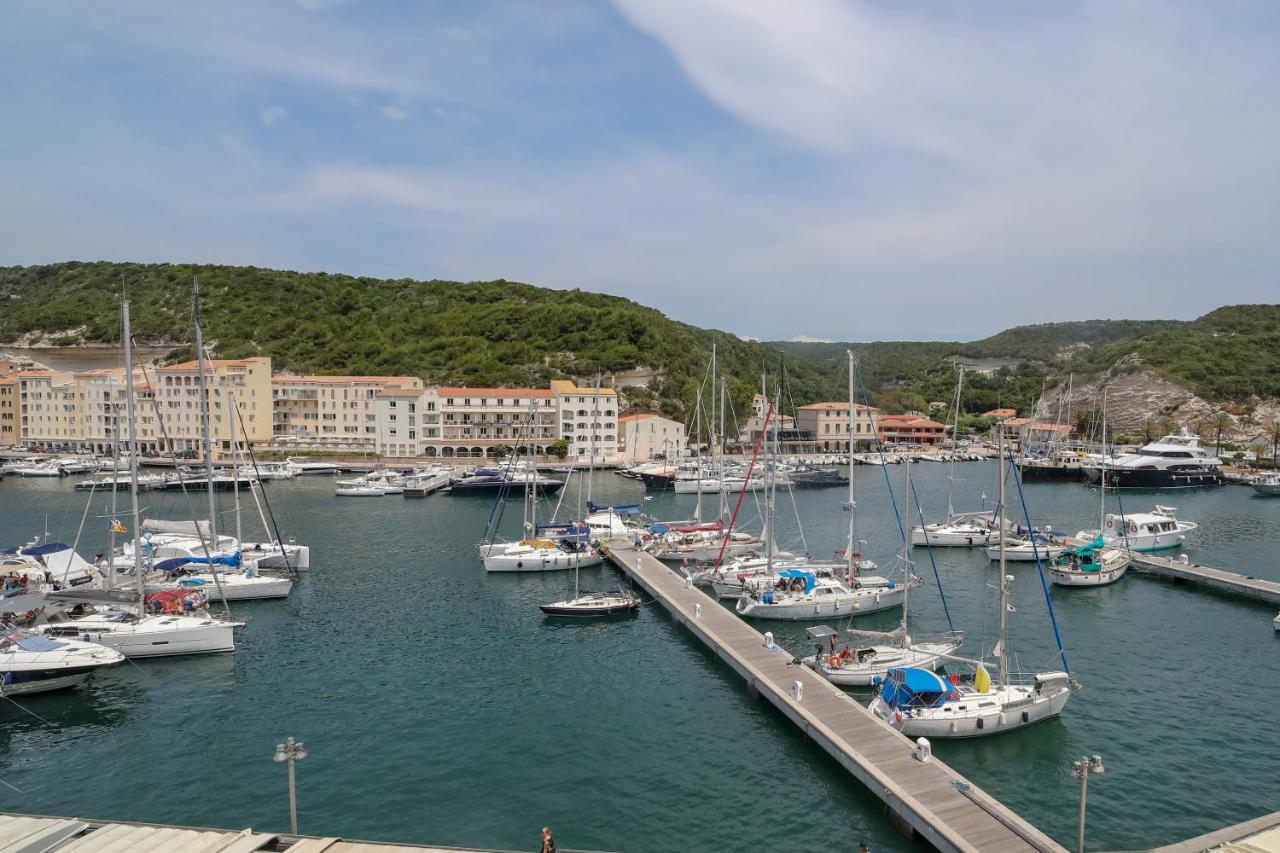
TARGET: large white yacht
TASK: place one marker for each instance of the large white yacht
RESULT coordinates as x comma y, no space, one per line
31,663
1172,462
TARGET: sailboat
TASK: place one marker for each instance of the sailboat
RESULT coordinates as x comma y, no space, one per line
801,593
591,603
533,553
959,530
921,703
155,625
877,652
1093,563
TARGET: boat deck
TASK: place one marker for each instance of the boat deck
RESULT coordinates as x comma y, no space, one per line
935,801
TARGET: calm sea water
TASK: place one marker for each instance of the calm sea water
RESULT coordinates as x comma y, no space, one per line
439,706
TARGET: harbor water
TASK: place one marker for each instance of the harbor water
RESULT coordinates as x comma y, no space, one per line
438,704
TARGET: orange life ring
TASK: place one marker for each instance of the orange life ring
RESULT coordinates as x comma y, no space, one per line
1133,528
1110,523
834,662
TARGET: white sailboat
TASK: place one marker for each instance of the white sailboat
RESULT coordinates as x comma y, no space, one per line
588,604
1093,563
920,703
532,553
876,652
137,630
959,530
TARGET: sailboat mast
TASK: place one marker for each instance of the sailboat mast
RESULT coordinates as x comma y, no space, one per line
697,453
724,493
1004,578
1102,469
133,459
849,548
530,514
206,415
769,495
906,544
955,444
237,459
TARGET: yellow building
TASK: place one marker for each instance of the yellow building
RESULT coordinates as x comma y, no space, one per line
584,412
176,392
830,429
332,410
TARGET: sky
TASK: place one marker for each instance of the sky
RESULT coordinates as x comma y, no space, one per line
778,169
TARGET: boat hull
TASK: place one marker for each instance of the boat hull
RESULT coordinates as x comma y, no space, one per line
192,636
1125,478
60,681
810,610
539,562
922,656
975,721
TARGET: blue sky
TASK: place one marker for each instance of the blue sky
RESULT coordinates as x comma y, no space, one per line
839,170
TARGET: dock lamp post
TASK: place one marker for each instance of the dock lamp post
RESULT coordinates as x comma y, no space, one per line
291,751
1081,770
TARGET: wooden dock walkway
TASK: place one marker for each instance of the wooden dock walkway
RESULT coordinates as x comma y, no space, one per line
1222,581
1262,833
936,802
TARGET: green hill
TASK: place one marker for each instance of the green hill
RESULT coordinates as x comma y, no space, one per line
1229,354
475,333
508,333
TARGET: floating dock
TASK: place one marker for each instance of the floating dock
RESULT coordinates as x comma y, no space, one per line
1253,836
935,802
1172,568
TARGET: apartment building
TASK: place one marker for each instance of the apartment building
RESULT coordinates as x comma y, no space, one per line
830,429
475,421
648,436
407,419
10,433
174,393
912,428
49,407
333,410
588,418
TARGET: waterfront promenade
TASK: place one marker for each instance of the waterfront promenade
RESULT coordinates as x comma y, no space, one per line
930,799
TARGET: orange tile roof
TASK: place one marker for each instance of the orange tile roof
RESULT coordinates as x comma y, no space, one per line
449,391
565,386
284,378
642,416
908,420
837,407
218,362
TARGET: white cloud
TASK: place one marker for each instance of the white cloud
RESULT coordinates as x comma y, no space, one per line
394,113
271,115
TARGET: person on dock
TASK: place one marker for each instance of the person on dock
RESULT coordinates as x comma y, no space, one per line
863,847
548,843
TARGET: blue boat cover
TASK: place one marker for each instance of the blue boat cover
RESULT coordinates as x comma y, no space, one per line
232,560
659,528
911,686
622,509
46,548
791,574
171,564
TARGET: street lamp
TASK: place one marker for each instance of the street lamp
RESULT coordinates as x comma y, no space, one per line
1081,770
291,751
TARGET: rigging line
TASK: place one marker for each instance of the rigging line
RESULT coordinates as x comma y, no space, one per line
205,546
253,460
13,787
1044,584
26,709
928,547
893,501
724,543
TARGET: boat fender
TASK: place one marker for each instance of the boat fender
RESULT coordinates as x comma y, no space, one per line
519,564
980,723
834,662
1026,717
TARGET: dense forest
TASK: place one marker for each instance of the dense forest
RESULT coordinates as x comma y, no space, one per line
509,333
